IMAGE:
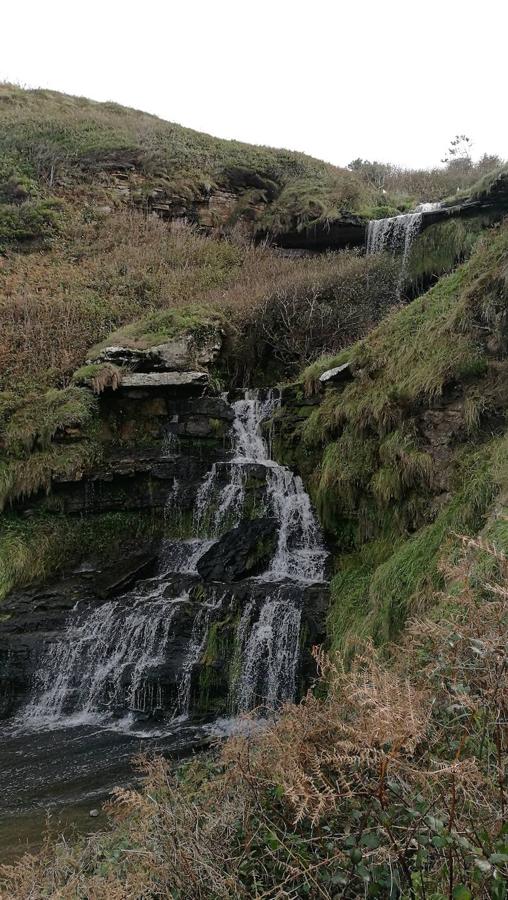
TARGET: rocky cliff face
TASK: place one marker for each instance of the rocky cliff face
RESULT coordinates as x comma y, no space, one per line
173,625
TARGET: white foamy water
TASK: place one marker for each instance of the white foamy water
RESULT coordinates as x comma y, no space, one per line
107,661
270,655
396,234
102,660
300,553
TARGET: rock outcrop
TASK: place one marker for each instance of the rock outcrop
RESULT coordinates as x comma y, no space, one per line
244,551
337,374
190,350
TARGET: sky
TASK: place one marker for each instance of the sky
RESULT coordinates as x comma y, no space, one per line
338,79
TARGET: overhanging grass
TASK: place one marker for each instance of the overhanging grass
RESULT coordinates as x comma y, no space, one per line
22,478
31,422
439,248
35,548
30,457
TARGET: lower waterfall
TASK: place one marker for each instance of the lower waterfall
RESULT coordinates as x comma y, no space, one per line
140,654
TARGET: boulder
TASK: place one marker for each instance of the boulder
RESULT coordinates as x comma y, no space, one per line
244,551
183,353
339,373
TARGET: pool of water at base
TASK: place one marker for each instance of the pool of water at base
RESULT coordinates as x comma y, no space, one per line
50,780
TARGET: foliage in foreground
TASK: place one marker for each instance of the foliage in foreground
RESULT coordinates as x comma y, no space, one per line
391,784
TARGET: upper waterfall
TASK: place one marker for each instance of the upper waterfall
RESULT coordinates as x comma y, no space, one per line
396,234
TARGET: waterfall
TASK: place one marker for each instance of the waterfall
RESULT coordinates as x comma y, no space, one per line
396,235
270,656
139,653
300,552
103,660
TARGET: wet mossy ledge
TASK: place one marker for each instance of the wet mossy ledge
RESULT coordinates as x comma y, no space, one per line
410,451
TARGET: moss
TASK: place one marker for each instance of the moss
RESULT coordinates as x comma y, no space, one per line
162,326
216,661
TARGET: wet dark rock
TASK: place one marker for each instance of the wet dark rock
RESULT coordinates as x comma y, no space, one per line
33,617
348,230
244,551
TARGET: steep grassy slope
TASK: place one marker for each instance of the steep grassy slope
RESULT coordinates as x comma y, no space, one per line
49,140
413,449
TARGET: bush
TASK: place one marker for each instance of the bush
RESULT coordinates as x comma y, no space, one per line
29,221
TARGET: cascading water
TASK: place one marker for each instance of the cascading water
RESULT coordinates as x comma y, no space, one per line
109,660
396,235
269,656
102,663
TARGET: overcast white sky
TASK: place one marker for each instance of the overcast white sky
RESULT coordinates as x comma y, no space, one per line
392,80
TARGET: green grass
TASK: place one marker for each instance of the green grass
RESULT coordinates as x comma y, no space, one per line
393,577
311,201
29,455
162,326
417,351
35,548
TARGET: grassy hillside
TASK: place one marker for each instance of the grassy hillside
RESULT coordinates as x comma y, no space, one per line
48,141
414,449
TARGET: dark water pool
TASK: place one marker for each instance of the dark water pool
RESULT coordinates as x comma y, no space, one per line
53,778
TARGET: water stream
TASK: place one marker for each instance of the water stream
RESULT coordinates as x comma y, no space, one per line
108,659
396,234
124,671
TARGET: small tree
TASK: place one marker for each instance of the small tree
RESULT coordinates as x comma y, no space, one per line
458,156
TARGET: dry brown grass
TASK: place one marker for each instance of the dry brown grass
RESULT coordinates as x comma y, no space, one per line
107,271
